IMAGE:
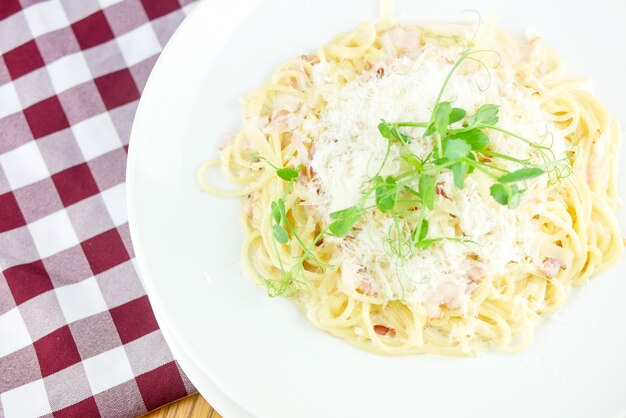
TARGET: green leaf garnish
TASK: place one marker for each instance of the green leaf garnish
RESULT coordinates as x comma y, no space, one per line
459,172
516,197
399,136
476,139
470,168
344,220
276,213
420,232
386,193
430,130
424,244
427,191
346,212
441,117
505,194
284,173
456,115
287,174
521,175
390,131
456,148
500,193
384,130
341,227
485,115
411,159
279,233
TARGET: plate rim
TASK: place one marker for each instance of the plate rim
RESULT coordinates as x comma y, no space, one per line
132,214
211,390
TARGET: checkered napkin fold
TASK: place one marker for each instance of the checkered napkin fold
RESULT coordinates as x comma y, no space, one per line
77,335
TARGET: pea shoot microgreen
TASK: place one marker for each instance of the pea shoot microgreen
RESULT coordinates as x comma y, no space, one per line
283,232
287,174
344,220
461,146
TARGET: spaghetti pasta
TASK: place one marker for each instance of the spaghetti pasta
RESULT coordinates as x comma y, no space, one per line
372,286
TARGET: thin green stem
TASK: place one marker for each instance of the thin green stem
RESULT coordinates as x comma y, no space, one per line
406,174
461,130
382,165
504,157
494,167
449,77
268,162
280,260
480,167
439,147
412,124
509,133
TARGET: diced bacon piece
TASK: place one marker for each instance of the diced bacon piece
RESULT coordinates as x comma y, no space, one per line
552,266
365,286
441,191
404,40
475,273
224,140
285,120
383,330
298,139
452,294
355,276
312,58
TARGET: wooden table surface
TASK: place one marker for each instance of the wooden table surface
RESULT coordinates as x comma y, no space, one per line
193,406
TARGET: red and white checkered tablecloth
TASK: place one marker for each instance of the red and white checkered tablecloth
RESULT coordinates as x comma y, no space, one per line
77,334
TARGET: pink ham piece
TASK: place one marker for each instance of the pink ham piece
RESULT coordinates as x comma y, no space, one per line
552,266
366,287
224,140
404,40
475,273
297,140
285,120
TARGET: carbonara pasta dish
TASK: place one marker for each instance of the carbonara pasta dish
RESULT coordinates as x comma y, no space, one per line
425,189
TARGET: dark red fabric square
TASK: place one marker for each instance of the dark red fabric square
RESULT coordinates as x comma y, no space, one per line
87,408
92,30
28,280
75,184
158,8
56,351
23,59
8,7
117,88
134,319
161,386
105,251
10,214
46,117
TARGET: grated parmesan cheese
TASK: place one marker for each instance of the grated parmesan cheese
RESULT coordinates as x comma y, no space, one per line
349,149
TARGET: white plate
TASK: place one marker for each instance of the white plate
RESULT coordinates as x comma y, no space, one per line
247,352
